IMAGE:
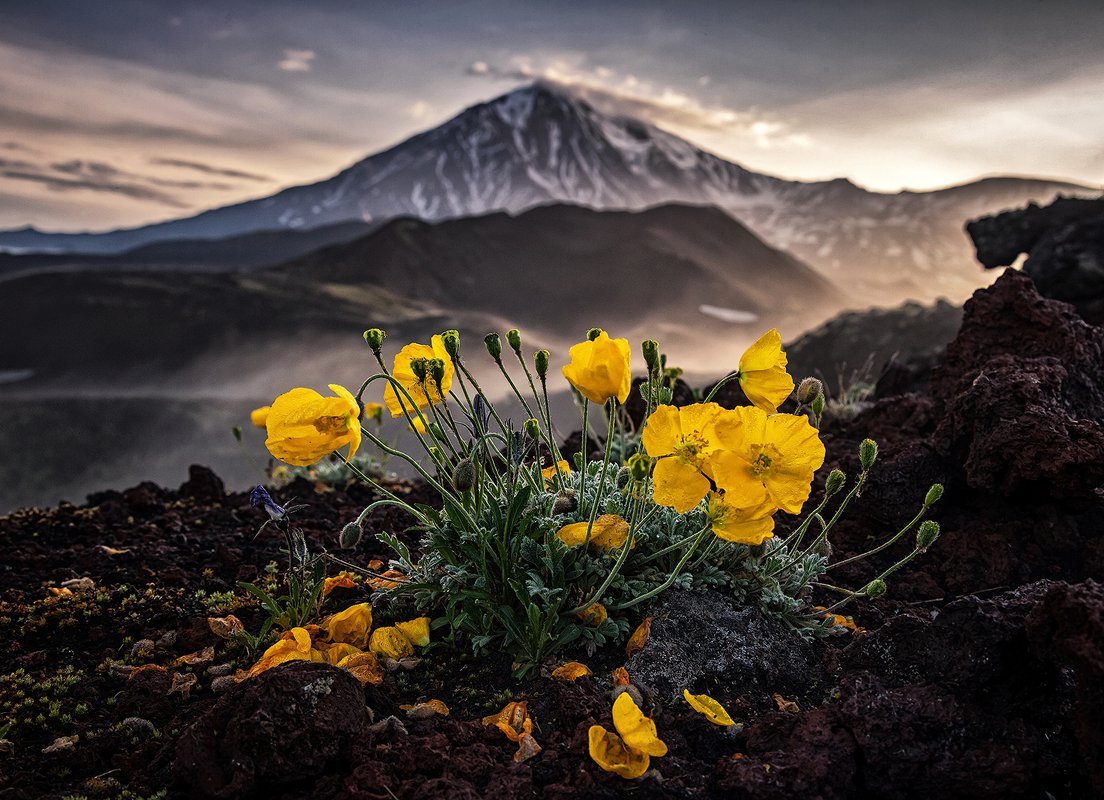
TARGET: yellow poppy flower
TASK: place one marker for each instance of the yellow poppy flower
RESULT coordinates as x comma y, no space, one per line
416,630
637,730
402,372
682,439
766,458
609,532
763,375
303,426
708,708
390,642
350,626
751,526
373,411
599,369
259,416
611,754
561,467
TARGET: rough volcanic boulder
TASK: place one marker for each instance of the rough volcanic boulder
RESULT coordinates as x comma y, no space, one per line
1022,394
700,638
285,726
1065,246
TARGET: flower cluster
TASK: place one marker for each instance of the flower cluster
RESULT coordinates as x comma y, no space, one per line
532,549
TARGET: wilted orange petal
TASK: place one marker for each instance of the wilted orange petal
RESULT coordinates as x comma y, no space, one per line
430,708
789,706
571,671
198,658
527,748
620,677
387,580
364,667
225,627
593,615
343,580
513,720
640,636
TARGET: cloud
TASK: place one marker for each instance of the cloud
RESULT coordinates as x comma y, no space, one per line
296,60
630,96
64,184
209,169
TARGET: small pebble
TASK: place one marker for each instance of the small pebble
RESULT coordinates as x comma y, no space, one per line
143,648
634,693
390,728
218,670
222,684
140,726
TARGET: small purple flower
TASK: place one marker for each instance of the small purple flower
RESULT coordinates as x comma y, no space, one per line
260,497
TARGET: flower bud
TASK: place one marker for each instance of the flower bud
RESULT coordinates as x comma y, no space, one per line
809,390
639,464
436,369
868,453
513,337
565,502
650,348
420,368
374,337
594,333
835,481
540,361
624,475
463,477
928,533
494,346
532,429
818,405
876,588
350,536
451,340
437,431
933,495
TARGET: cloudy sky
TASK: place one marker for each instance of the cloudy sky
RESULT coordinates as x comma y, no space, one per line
121,112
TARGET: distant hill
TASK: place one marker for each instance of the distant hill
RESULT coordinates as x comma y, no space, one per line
540,144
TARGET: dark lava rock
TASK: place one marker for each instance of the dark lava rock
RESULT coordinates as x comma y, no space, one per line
1065,246
701,638
974,703
868,343
287,725
1022,392
1069,624
203,484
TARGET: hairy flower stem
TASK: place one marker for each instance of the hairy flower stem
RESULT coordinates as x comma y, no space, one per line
841,603
648,595
479,390
732,376
601,489
545,417
583,447
823,535
887,543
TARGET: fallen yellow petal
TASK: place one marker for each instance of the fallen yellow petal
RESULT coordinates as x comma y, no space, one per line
350,626
364,667
637,730
416,630
611,754
513,720
708,708
390,642
430,708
